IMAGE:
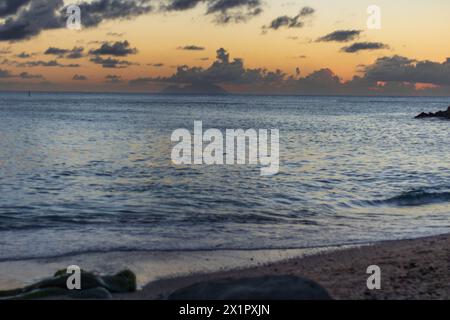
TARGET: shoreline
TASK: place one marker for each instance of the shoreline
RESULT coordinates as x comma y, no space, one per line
149,266
411,268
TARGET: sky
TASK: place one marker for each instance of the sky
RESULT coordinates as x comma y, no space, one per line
240,46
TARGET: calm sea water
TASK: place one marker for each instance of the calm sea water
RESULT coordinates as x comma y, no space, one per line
92,172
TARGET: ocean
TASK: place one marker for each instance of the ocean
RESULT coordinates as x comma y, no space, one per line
93,173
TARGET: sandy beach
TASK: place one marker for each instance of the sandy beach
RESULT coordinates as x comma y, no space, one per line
410,269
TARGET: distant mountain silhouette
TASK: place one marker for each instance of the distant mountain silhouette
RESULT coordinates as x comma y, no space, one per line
203,88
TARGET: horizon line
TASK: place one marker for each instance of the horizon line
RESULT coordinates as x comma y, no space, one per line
218,95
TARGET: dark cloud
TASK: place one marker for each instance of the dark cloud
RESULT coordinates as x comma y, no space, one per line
79,77
118,49
224,11
41,63
111,62
361,46
191,48
75,53
26,75
26,19
181,5
8,7
402,69
56,51
323,80
24,55
224,5
31,20
156,65
307,11
234,10
290,22
71,65
99,10
112,78
341,36
223,56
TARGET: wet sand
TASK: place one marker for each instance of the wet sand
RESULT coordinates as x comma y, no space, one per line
410,269
148,266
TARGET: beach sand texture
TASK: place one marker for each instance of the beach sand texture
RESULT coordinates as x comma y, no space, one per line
410,269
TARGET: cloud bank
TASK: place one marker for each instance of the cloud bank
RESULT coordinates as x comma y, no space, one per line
387,75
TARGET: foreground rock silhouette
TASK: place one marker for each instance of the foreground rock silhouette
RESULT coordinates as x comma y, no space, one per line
261,288
439,114
92,287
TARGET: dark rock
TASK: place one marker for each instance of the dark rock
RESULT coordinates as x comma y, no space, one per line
439,114
423,115
124,281
92,286
262,288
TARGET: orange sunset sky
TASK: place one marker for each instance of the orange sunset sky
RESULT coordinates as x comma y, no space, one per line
158,39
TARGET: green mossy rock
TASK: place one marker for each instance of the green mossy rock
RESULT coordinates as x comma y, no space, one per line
92,286
124,281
